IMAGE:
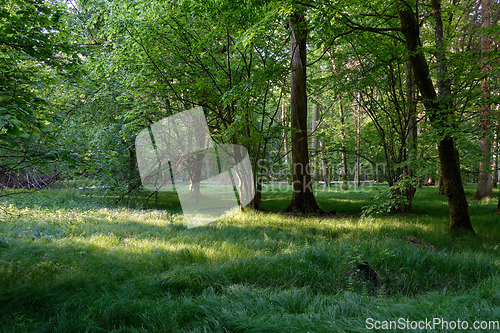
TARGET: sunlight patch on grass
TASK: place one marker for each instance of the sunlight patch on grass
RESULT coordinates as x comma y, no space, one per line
72,267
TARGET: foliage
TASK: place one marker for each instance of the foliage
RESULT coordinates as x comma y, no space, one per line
36,56
390,200
78,83
76,89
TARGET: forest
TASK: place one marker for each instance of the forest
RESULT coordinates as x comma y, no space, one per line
338,173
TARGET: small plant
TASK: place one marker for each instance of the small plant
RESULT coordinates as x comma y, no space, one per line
355,257
396,199
382,291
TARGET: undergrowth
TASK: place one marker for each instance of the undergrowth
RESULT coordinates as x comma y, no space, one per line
72,260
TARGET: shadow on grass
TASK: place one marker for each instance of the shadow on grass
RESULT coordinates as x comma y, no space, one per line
249,248
128,243
100,270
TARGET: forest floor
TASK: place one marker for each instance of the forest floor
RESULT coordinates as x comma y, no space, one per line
75,261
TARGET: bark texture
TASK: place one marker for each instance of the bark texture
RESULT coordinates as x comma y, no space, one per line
485,183
303,198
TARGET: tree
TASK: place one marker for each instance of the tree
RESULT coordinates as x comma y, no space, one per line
285,135
357,180
485,184
36,55
168,57
438,113
303,198
343,163
374,75
411,152
442,81
314,141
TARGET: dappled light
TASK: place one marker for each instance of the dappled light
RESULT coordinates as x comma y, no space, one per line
152,252
249,166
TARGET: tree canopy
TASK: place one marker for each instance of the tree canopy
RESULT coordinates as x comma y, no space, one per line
80,79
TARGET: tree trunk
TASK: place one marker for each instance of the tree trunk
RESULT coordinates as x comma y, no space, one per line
314,141
133,172
443,86
303,198
286,145
459,214
485,186
440,181
357,181
438,114
411,150
195,166
439,177
325,170
256,202
343,167
257,182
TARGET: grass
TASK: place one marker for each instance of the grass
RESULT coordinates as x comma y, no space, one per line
74,261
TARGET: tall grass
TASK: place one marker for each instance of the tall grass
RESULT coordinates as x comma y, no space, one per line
73,261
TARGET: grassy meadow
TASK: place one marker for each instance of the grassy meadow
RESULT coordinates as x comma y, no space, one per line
75,261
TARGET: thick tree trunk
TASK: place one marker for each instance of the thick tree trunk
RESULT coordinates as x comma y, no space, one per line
411,151
443,86
303,198
485,184
459,215
438,114
256,202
